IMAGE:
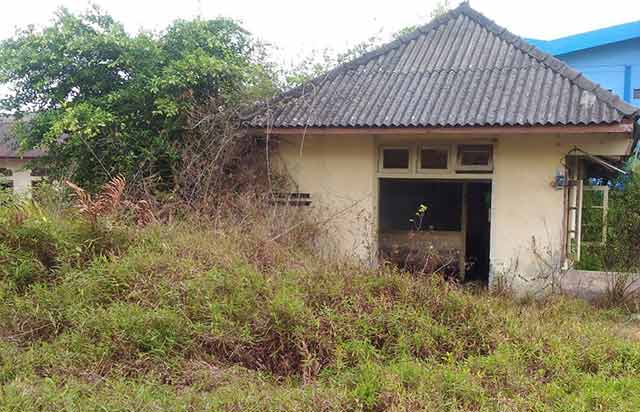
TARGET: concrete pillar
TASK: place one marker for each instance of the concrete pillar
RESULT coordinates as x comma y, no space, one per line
22,181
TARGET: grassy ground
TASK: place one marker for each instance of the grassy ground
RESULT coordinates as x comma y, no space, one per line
184,318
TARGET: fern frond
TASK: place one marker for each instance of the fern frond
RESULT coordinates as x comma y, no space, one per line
110,201
144,214
111,196
83,201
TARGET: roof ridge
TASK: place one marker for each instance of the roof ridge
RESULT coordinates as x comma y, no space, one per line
458,70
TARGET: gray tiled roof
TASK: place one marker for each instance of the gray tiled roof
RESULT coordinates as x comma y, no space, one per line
461,69
9,147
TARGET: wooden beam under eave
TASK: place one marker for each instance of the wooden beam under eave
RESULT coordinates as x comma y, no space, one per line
620,128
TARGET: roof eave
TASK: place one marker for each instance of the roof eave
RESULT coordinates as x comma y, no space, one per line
625,127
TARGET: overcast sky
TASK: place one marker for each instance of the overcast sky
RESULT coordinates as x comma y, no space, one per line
299,26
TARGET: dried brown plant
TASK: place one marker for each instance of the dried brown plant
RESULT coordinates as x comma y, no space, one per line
109,201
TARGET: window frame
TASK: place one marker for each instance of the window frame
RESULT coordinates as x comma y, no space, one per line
604,207
473,168
442,146
574,207
410,157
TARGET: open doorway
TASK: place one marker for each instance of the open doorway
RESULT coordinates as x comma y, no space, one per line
478,229
451,237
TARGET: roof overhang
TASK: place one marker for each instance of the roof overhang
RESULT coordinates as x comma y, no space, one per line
20,157
601,161
618,128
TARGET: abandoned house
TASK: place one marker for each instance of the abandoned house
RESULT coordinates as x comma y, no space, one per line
493,139
15,174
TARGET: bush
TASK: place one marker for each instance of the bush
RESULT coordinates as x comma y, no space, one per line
620,255
37,246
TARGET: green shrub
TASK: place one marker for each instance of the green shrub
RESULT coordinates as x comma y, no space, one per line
37,245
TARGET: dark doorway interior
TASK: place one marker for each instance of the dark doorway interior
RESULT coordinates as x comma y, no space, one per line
453,234
428,242
401,198
478,232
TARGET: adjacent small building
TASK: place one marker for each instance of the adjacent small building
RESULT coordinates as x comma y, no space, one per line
609,56
460,141
14,171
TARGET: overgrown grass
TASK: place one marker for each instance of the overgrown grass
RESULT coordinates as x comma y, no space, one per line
191,317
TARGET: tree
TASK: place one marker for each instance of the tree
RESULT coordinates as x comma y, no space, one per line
318,62
441,8
105,102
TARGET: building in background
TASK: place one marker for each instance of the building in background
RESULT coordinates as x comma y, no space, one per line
608,56
14,171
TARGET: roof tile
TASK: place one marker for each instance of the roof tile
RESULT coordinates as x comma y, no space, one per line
460,69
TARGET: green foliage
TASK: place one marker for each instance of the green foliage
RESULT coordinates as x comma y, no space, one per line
441,8
105,102
623,246
319,62
188,318
621,252
35,244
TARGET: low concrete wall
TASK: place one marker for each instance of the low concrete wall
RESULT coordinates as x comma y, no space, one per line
21,177
592,284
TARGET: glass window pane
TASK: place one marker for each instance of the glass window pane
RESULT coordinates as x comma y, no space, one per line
479,155
431,158
395,159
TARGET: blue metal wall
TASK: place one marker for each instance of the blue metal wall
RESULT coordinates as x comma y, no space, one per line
614,66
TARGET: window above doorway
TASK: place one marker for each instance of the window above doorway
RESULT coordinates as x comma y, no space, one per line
434,158
417,159
395,159
475,158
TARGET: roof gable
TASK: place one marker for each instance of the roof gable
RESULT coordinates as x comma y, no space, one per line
461,69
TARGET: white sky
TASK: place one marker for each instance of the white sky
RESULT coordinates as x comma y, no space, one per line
296,27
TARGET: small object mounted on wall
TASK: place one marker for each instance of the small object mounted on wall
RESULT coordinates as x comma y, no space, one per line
560,180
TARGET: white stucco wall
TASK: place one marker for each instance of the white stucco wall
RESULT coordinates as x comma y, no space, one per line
21,176
528,214
341,174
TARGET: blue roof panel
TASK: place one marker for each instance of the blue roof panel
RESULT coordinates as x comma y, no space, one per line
589,39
